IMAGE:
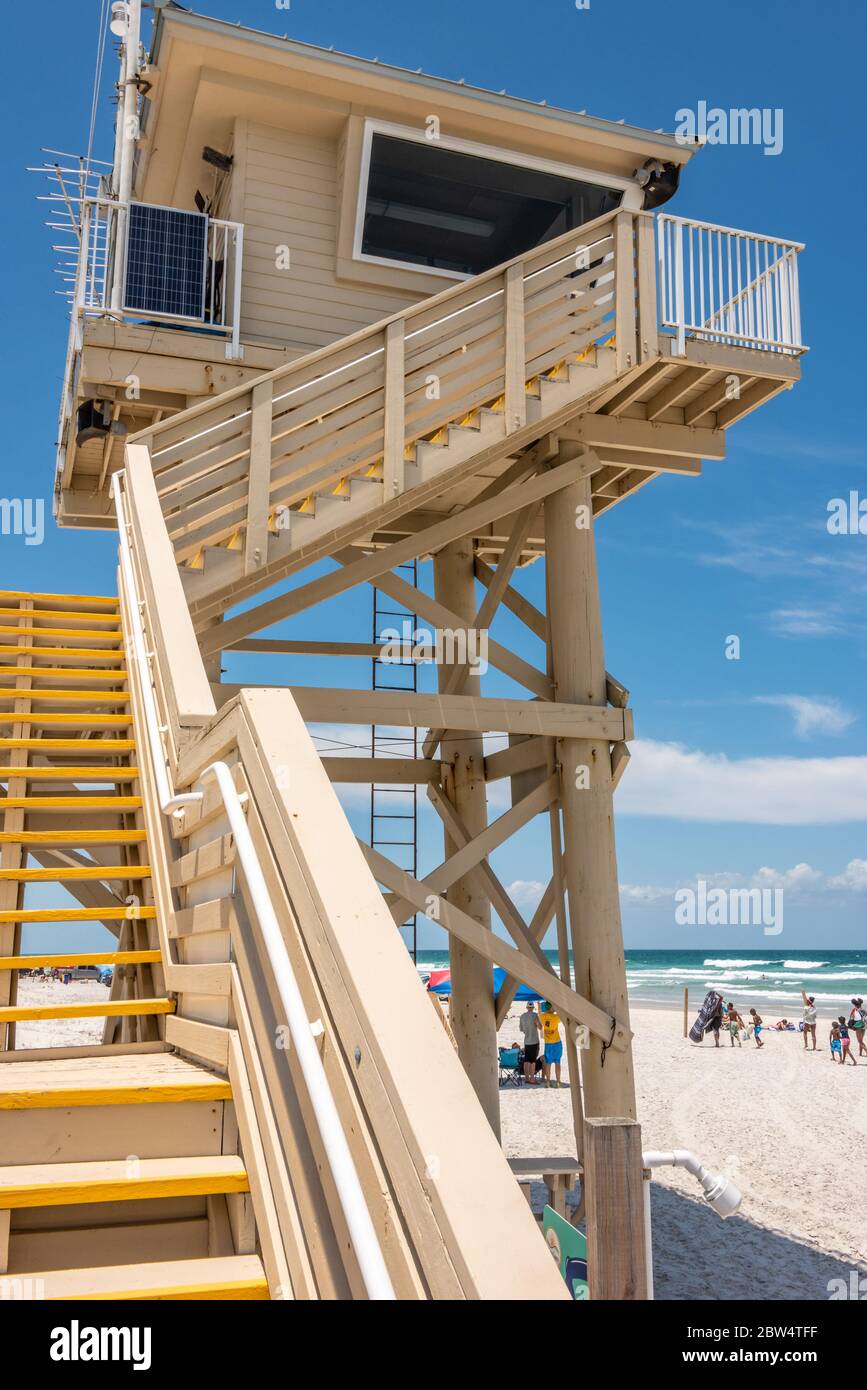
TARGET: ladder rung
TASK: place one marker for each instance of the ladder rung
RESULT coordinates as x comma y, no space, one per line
65,803
125,912
113,1008
99,872
87,958
72,837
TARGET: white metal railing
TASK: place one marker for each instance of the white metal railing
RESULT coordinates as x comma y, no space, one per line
722,285
211,274
365,1242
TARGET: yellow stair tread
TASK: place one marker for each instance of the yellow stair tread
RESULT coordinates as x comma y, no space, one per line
59,614
70,745
70,803
77,653
76,958
108,697
217,1277
70,774
10,630
72,673
79,719
75,872
59,598
78,914
119,1180
72,837
112,1008
121,1079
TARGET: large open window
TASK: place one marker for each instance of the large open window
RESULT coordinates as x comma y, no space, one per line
444,207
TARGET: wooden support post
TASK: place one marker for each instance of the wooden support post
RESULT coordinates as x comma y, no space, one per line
395,410
472,999
578,664
686,1013
259,481
516,369
645,264
624,292
613,1183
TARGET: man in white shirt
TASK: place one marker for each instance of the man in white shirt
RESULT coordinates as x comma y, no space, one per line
529,1025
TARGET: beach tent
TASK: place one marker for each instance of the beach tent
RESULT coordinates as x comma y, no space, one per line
440,982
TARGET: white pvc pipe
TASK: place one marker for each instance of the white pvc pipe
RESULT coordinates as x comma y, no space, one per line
129,137
723,1195
362,1233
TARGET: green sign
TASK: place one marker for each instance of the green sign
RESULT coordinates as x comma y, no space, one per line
569,1248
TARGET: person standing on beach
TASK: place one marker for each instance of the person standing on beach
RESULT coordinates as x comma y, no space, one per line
836,1043
757,1027
857,1021
845,1042
529,1026
736,1023
553,1046
810,1016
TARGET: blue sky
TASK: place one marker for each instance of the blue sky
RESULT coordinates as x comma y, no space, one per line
749,771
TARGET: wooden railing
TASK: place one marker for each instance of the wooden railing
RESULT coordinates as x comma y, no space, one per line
225,469
448,1228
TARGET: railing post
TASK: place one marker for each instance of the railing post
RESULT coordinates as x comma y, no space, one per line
516,353
394,421
679,298
259,478
234,350
624,292
648,323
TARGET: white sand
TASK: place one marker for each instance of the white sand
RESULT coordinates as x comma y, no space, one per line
790,1129
59,1032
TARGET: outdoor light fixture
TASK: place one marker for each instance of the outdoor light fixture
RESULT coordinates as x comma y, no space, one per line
119,18
219,161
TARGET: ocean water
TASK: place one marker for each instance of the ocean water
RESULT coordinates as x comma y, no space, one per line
774,979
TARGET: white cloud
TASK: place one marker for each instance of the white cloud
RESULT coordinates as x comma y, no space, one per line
801,877
668,779
525,892
812,714
800,881
644,892
806,622
853,877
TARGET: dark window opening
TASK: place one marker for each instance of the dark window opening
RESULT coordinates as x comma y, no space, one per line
433,207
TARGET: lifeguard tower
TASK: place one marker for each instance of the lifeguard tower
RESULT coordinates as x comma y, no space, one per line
336,324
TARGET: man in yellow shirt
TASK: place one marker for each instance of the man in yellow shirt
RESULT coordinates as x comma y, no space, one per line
550,1022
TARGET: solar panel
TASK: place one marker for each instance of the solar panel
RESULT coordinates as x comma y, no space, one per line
166,261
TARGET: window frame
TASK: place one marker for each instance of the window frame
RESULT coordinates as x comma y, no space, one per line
631,192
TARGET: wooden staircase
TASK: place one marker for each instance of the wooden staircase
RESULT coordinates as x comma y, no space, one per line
121,1176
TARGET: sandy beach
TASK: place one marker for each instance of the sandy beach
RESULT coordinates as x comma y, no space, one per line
790,1129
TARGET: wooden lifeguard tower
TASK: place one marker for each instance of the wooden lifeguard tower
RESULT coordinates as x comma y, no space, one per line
326,310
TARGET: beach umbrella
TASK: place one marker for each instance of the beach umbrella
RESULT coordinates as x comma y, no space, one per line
440,982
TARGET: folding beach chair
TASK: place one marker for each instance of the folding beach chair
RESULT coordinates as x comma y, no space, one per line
510,1066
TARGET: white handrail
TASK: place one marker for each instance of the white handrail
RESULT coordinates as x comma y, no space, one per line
371,1263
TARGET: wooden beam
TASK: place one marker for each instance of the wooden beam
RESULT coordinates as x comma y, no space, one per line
655,463
520,757
756,395
622,432
710,399
515,403
613,1179
323,705
515,602
382,561
571,1005
310,647
672,394
398,770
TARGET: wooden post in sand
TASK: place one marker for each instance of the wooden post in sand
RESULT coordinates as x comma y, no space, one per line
471,1011
616,1242
686,1013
